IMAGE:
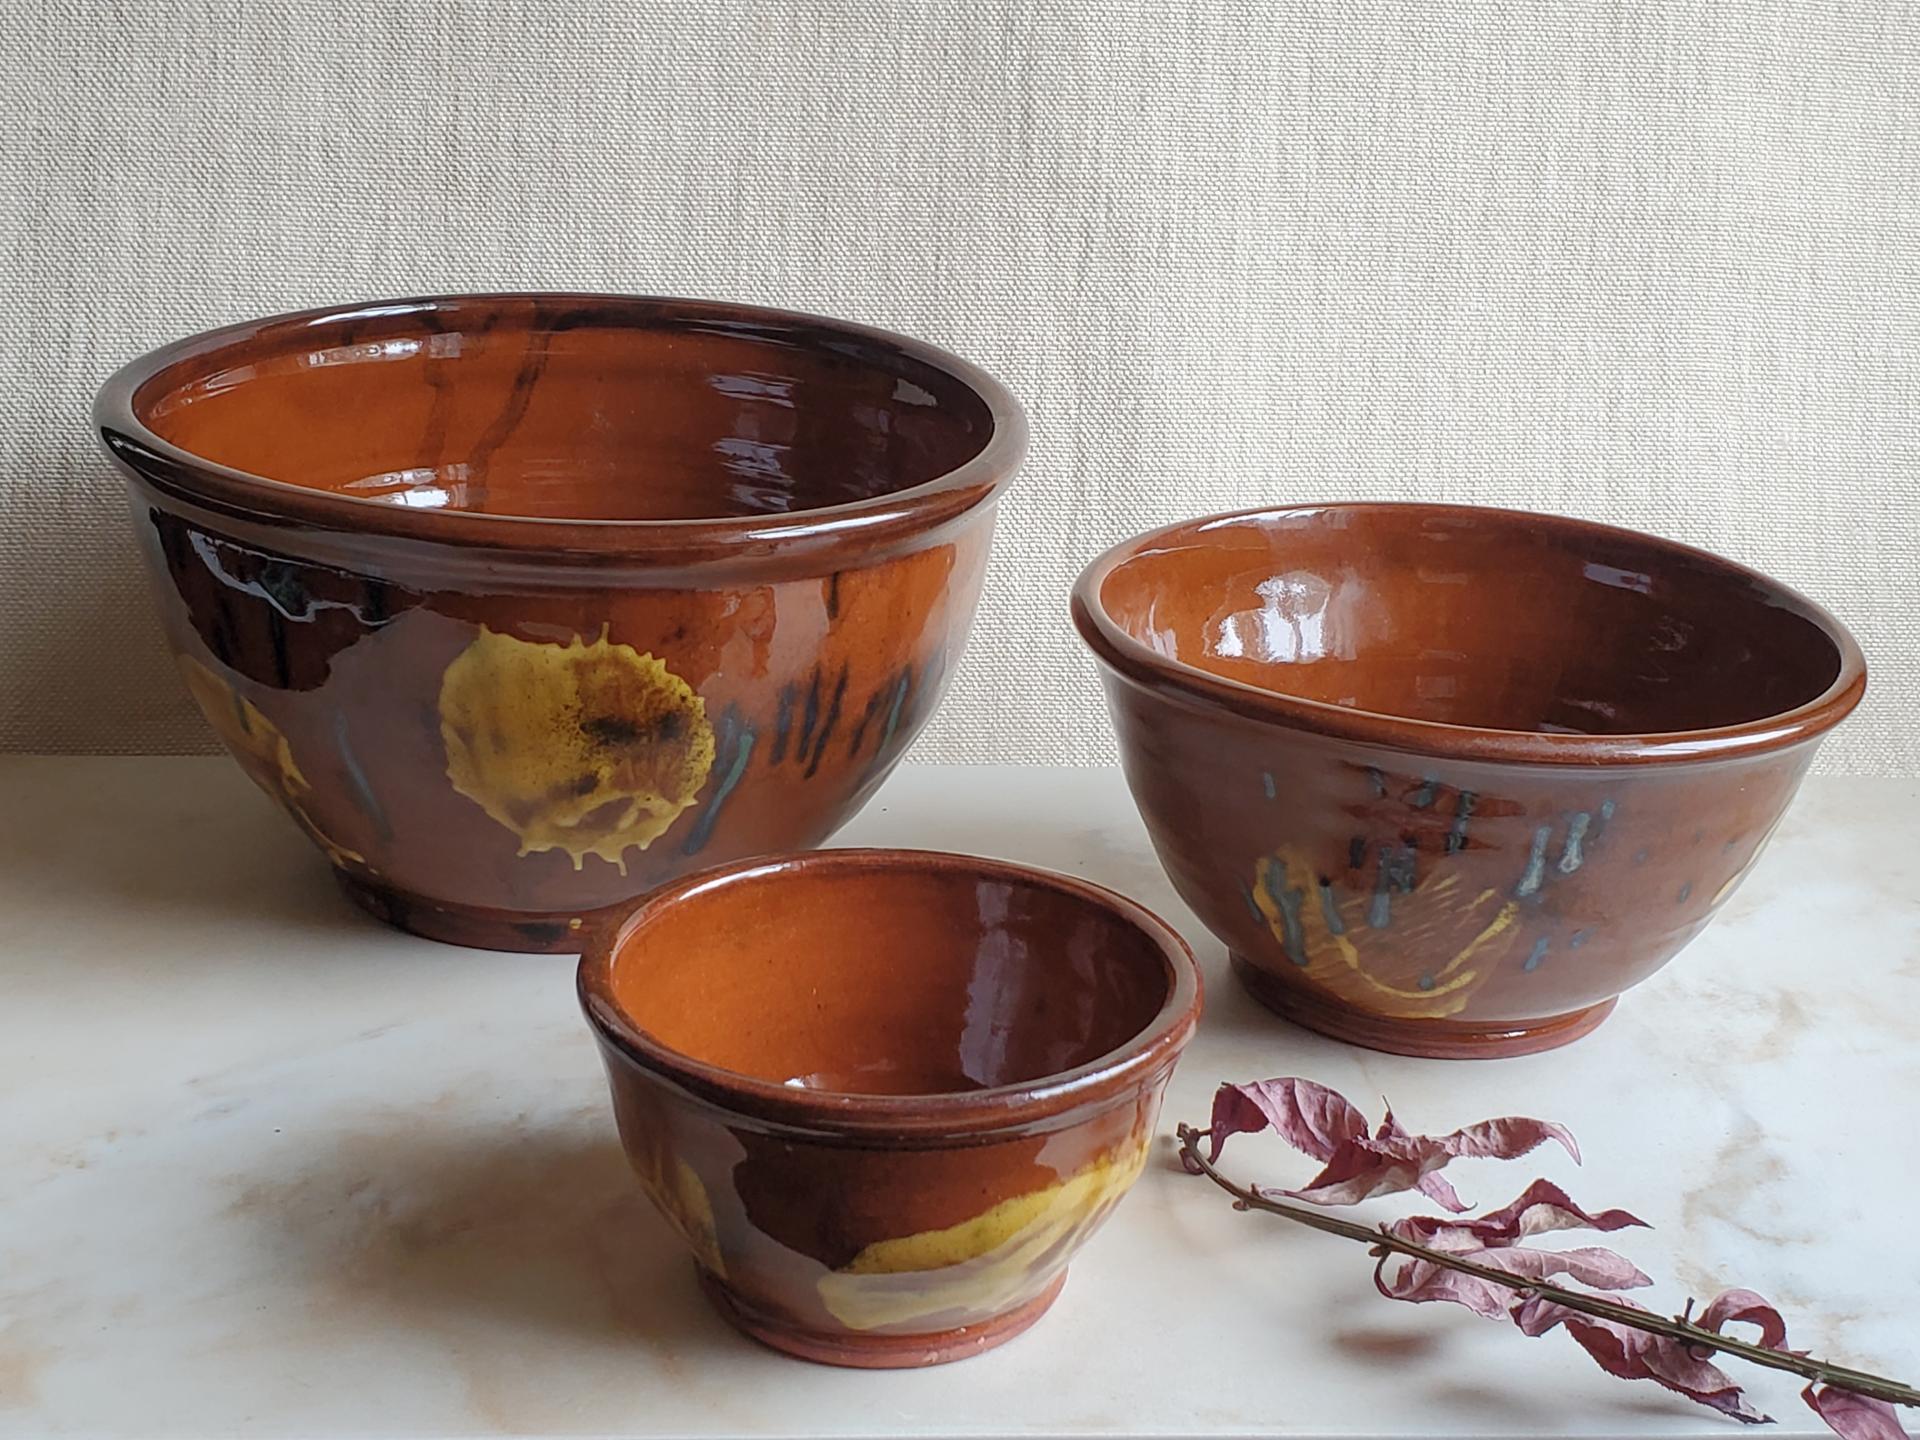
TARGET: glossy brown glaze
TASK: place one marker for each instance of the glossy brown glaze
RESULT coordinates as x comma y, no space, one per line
885,1096
1445,780
521,605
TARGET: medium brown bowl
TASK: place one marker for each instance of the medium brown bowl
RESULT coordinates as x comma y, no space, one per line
523,604
886,1095
1446,781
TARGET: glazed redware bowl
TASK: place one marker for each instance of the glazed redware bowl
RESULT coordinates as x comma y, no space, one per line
1445,780
521,605
885,1096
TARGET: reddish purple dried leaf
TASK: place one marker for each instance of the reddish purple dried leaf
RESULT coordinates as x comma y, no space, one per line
1358,1171
1508,1138
1308,1116
1854,1417
1439,1189
1848,1415
1421,1281
1322,1123
1436,1188
1635,1355
1593,1265
1746,1307
1541,1207
1393,1159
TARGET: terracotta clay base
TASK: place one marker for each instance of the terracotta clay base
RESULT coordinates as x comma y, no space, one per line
477,929
879,1352
1428,1039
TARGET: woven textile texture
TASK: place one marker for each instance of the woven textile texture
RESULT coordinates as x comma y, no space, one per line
1652,263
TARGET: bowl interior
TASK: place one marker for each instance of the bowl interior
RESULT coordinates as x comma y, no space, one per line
583,410
889,979
1489,619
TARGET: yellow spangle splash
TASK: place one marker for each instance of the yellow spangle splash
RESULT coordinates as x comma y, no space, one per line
591,748
261,749
985,1265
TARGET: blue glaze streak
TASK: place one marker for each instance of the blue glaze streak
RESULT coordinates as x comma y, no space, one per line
368,800
1570,857
1395,877
1266,779
1536,955
1578,939
782,724
743,752
1462,813
1286,899
1536,863
896,710
893,711
1329,911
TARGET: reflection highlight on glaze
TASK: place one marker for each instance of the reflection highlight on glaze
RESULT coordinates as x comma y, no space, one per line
1291,623
994,991
373,351
424,487
277,582
1615,578
755,385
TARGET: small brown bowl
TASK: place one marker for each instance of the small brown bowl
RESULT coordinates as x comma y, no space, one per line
1446,780
521,605
886,1095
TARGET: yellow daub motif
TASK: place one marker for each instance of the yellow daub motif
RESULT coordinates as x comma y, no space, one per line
673,1186
984,1265
587,748
261,749
1440,945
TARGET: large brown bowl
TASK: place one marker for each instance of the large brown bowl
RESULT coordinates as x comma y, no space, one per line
885,1096
523,604
1446,781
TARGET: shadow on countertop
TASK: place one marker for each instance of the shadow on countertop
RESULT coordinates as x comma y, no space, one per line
478,1237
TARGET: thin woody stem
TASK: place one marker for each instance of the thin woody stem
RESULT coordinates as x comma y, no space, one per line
1679,1328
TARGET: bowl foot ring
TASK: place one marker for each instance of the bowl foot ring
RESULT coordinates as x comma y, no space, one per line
1427,1039
878,1352
521,932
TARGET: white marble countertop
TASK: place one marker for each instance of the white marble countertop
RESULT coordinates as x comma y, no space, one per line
270,1169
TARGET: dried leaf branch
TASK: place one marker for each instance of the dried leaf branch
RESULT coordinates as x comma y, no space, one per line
1380,1242
1623,1338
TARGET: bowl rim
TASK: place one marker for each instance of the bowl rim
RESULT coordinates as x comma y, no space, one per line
1147,667
852,525
928,1119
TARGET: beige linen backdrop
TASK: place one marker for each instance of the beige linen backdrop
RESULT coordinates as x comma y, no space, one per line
1657,264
